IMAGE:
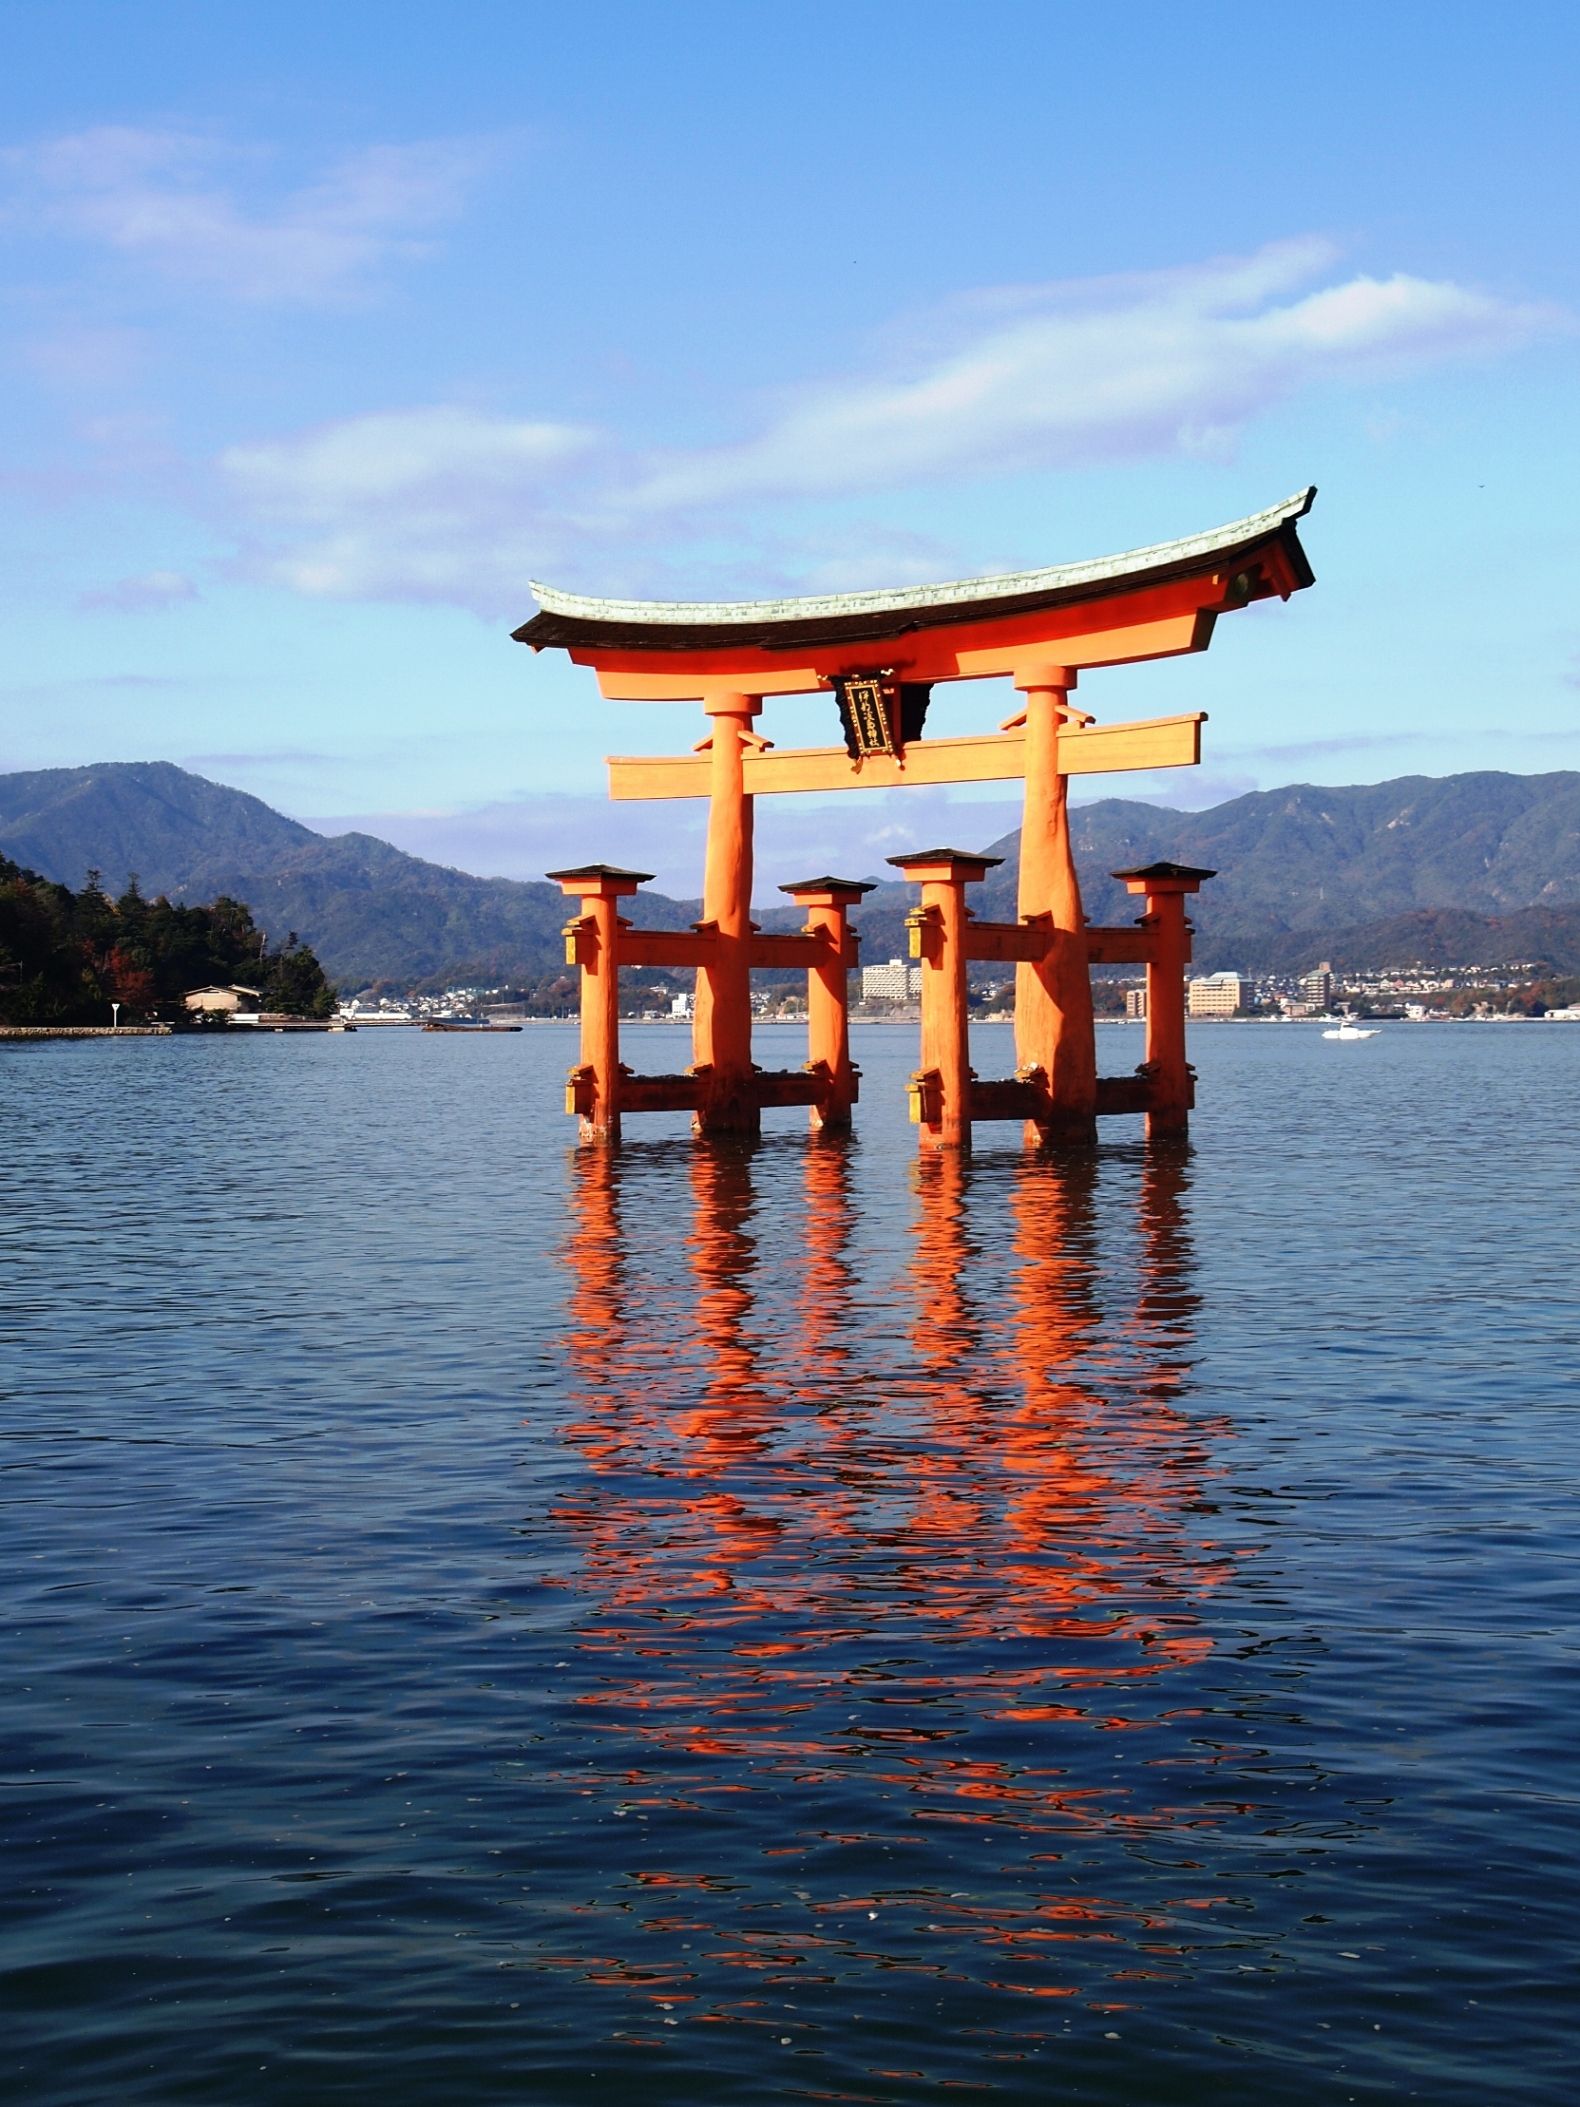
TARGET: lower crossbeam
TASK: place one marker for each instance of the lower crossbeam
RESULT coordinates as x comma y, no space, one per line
1124,1093
770,1088
787,1086
1007,1100
1013,1099
660,1093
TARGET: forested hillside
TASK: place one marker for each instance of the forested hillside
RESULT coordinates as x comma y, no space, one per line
372,913
66,956
1471,868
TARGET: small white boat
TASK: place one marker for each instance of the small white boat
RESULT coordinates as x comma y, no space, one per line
1350,1031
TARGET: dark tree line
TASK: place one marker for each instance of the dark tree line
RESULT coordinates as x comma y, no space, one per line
65,956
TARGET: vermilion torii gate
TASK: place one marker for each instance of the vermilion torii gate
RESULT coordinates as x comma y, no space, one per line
880,654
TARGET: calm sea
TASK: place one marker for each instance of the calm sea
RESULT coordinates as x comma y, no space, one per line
487,1621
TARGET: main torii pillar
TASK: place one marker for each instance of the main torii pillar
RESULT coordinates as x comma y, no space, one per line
879,656
721,1038
1055,1043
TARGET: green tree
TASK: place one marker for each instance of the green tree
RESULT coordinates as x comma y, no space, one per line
65,957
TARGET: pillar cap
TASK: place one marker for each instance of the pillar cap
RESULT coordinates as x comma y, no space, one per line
1165,877
855,887
606,878
967,864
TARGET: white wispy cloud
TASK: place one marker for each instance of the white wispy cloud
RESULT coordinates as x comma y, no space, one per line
144,594
198,208
1075,374
440,503
464,505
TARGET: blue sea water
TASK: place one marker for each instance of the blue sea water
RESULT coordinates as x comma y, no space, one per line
483,1620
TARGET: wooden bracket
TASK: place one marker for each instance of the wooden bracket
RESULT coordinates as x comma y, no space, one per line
581,941
581,1092
926,1093
925,927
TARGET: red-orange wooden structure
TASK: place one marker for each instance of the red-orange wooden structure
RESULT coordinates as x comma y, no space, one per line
881,654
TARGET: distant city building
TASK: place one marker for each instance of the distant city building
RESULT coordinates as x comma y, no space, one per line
895,982
1316,987
221,1000
1136,1004
1215,995
680,1005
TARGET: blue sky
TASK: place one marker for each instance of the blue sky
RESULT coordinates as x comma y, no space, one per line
326,328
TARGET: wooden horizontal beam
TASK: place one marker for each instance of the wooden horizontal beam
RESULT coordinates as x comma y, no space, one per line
1000,943
1124,1093
769,1087
1134,1093
1006,943
1123,946
660,1093
1170,636
788,1086
1007,1100
697,947
667,947
1161,621
1014,1099
992,757
792,949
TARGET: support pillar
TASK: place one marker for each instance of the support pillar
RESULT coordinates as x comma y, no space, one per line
941,1087
828,902
722,1029
593,943
1055,1036
1171,1085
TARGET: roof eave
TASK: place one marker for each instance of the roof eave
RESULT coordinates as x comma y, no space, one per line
787,624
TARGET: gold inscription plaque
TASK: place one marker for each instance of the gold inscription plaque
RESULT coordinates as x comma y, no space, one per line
870,705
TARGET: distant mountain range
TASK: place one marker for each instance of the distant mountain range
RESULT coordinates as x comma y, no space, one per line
371,912
1481,868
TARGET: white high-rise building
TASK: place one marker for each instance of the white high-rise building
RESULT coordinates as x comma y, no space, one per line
1214,995
1316,987
896,982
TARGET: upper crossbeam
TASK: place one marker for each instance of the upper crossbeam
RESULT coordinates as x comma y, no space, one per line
993,757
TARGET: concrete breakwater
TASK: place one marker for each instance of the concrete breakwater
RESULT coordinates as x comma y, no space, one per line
84,1031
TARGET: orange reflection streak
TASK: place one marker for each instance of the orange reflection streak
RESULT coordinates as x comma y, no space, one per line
900,1538
1054,1314
593,1257
824,1302
941,1327
1166,1300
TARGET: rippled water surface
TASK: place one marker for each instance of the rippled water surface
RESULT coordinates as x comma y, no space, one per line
489,1621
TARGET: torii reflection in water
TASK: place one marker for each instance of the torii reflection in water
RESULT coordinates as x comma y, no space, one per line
881,1563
